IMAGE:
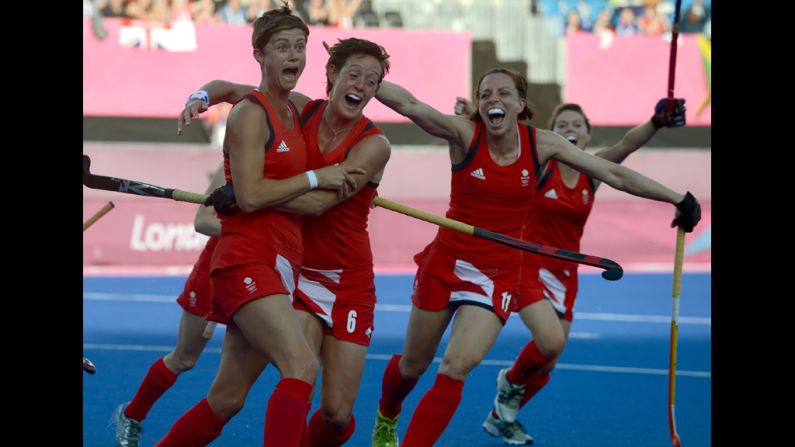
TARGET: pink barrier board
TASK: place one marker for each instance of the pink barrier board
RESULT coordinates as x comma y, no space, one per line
139,81
618,81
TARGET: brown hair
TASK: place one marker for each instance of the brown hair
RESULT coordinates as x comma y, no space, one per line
274,21
521,86
564,107
345,48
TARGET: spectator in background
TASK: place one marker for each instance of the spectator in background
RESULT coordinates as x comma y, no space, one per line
602,29
202,11
626,23
232,12
695,18
148,10
258,7
341,12
573,22
317,13
586,21
111,8
651,24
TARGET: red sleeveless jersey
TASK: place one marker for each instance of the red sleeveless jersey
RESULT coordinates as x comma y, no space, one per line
558,215
246,236
338,238
492,197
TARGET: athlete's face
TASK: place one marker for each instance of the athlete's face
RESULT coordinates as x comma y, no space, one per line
571,125
355,84
283,59
499,103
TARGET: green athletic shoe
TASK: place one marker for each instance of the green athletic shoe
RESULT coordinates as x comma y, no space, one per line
512,433
385,431
128,431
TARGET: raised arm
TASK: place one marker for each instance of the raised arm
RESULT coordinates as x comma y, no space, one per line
371,155
211,93
206,221
553,146
454,129
664,116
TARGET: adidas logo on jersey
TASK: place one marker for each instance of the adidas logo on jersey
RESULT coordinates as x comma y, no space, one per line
551,194
282,147
478,173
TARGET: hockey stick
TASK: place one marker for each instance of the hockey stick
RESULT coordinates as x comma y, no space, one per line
135,187
208,330
102,211
88,366
676,441
612,272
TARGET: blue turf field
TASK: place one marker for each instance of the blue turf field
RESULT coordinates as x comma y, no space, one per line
610,388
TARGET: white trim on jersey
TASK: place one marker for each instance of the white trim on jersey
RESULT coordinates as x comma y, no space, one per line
285,270
552,284
468,272
320,295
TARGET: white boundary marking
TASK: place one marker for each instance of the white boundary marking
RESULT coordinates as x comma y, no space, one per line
387,357
405,308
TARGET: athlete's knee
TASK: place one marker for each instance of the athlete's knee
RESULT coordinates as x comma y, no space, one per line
301,367
412,367
551,344
184,361
458,366
336,417
226,405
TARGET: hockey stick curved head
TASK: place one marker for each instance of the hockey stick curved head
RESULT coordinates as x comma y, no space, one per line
86,167
613,273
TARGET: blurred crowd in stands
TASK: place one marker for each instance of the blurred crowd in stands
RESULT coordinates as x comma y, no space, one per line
628,18
616,17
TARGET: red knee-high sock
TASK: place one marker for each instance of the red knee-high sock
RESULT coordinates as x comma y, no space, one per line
394,389
323,435
528,362
304,442
158,379
434,412
533,384
197,427
285,417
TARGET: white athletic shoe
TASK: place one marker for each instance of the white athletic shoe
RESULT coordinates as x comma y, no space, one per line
128,431
508,398
512,433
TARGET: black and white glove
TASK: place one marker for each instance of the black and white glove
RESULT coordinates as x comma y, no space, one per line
669,112
688,213
223,200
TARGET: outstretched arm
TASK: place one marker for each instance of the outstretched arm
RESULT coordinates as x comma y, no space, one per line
553,146
664,116
211,93
449,127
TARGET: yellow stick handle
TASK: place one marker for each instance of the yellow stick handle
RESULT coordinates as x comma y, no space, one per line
677,289
104,210
185,196
424,215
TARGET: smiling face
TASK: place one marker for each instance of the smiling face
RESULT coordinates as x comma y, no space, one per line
571,125
355,84
499,102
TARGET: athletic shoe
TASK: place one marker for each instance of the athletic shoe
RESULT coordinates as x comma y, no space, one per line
128,431
508,398
512,433
385,431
